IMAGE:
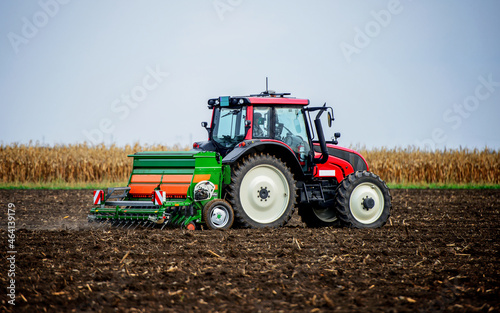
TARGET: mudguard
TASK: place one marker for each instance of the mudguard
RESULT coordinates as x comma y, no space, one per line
273,147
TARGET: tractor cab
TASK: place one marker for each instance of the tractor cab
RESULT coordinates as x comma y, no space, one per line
264,119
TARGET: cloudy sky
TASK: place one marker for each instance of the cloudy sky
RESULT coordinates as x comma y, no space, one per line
397,73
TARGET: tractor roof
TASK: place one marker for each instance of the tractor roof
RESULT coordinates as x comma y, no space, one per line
266,97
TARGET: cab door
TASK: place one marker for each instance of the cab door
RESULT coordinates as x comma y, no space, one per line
290,128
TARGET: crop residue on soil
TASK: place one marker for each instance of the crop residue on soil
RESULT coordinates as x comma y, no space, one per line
438,252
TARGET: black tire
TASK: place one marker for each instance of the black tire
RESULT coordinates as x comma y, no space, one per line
363,200
263,192
314,216
218,214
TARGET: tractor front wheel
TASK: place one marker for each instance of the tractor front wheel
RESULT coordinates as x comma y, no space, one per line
262,191
363,200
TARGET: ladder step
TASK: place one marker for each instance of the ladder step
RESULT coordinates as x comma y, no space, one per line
314,196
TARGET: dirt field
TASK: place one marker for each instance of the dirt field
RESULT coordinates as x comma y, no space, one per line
439,252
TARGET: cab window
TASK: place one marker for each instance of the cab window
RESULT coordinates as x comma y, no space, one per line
290,127
261,122
229,126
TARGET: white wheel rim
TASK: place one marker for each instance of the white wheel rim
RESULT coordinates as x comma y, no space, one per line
219,216
359,211
326,215
261,207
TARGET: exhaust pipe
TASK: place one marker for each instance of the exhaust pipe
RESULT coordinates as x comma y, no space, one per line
321,137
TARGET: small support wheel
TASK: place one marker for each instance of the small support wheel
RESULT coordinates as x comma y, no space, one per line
218,214
191,226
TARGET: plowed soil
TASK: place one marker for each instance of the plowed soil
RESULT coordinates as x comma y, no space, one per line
439,252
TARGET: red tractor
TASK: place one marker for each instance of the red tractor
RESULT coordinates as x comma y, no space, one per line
276,163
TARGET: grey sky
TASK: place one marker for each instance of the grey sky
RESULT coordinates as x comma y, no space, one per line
397,73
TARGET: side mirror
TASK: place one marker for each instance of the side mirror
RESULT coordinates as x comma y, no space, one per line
248,125
330,119
335,137
205,125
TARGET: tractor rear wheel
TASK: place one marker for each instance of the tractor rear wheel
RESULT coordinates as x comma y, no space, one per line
315,215
363,200
262,191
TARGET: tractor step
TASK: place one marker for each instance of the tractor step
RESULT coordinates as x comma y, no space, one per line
313,192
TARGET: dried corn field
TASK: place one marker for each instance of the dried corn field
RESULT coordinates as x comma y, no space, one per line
85,164
69,163
413,166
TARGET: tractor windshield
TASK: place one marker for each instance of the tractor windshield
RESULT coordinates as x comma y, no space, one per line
229,126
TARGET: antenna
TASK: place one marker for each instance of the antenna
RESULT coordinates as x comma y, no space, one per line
271,93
